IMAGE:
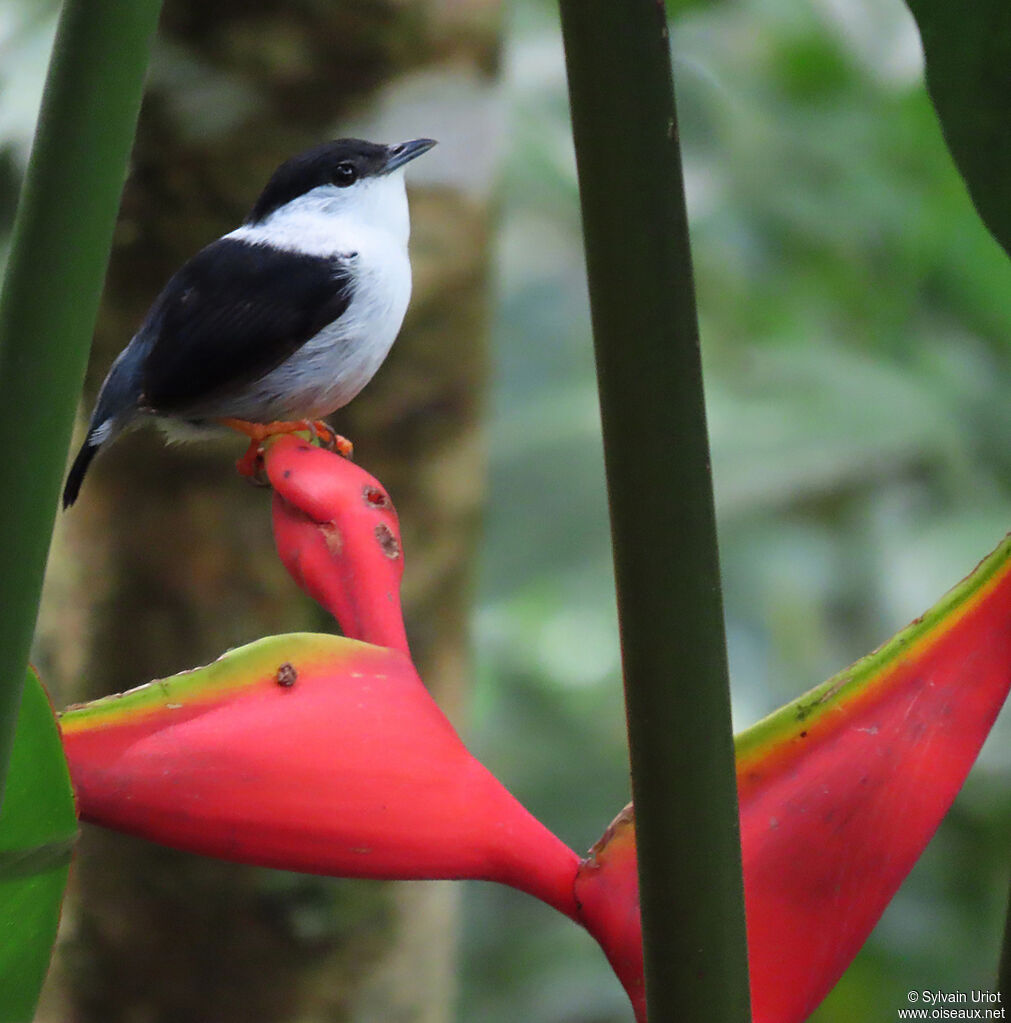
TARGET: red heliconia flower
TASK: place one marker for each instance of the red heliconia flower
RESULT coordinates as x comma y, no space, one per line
328,755
310,752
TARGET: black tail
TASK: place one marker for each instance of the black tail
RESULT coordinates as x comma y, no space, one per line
76,475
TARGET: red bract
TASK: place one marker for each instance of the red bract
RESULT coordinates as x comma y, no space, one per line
839,792
846,786
607,890
311,753
337,534
328,755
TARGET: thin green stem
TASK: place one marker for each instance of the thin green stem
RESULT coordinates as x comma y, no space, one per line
660,493
59,252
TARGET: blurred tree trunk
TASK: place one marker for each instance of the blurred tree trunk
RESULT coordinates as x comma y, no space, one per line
168,559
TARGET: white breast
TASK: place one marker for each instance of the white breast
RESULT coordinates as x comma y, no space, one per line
329,370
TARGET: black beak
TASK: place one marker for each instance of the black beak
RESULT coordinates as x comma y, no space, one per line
405,152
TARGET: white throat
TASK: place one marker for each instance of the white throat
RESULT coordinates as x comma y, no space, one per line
329,219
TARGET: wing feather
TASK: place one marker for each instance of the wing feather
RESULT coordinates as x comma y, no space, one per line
232,314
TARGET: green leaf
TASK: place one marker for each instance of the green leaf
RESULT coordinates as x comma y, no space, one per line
62,232
38,827
968,53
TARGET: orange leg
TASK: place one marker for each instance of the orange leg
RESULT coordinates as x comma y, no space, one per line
257,433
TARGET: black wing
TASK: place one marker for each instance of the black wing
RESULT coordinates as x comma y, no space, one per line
233,313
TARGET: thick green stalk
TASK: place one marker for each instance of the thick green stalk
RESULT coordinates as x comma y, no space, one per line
60,248
660,492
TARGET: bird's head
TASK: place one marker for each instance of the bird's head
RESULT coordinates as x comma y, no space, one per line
346,177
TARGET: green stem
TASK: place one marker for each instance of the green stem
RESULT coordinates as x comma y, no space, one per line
660,492
59,251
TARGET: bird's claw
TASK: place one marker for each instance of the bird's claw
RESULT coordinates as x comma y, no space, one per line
250,464
332,440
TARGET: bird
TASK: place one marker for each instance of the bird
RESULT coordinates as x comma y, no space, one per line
280,322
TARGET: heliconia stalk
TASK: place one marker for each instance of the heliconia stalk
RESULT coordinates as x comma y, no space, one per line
338,535
312,753
840,791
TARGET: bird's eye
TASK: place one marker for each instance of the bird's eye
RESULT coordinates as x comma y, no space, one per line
345,174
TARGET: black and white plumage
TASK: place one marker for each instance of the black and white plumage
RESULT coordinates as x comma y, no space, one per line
286,318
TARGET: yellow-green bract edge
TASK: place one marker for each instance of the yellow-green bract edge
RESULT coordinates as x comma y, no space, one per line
232,671
800,713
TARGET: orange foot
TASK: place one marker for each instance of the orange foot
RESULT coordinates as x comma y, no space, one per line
249,463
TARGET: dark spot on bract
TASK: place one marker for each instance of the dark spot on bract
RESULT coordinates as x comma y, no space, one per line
375,497
286,675
388,542
287,474
803,735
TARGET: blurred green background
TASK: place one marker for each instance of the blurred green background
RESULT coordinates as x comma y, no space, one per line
856,330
